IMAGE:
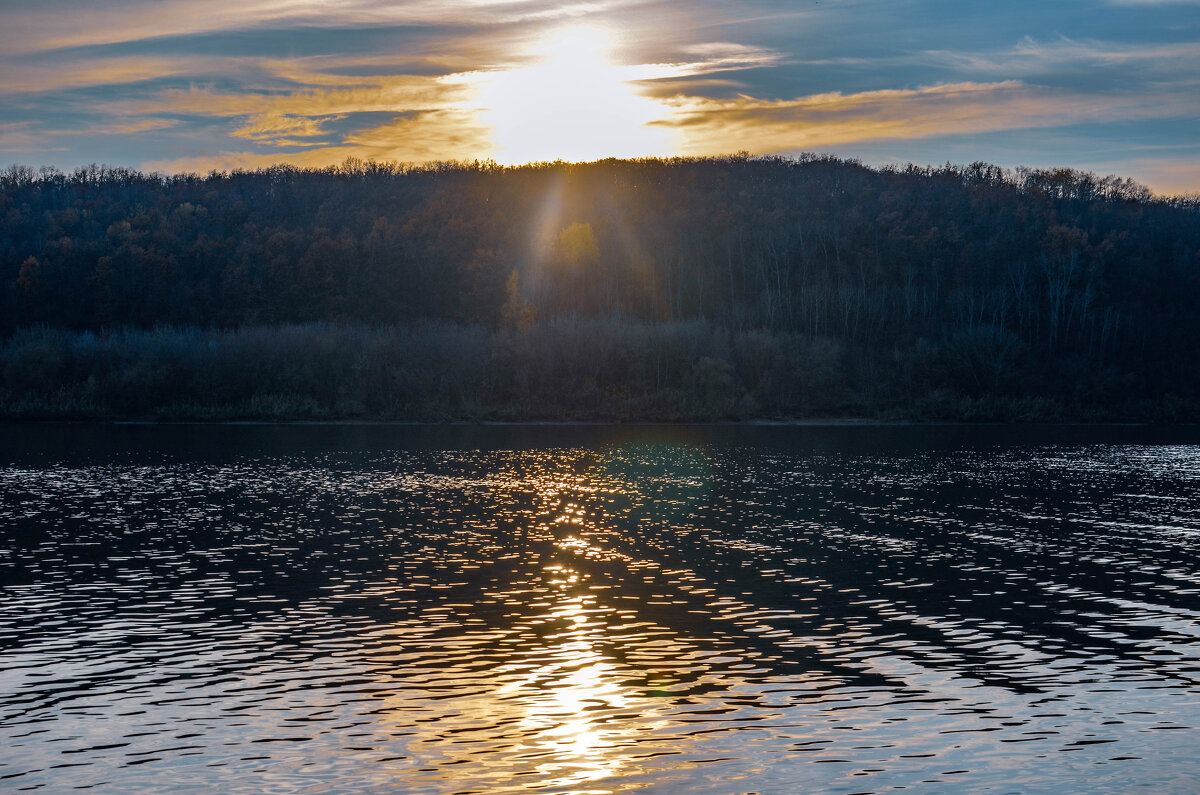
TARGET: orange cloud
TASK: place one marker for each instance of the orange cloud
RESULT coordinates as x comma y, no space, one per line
103,23
22,137
1168,176
18,78
438,135
26,136
708,126
393,93
442,125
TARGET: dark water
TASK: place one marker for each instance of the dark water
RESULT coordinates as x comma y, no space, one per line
593,610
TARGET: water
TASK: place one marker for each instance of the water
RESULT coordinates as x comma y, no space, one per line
595,610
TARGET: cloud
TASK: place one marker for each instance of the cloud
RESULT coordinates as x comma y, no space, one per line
421,138
64,24
57,75
433,116
119,127
451,131
702,61
1170,176
707,126
274,130
311,82
22,137
275,109
436,135
1030,56
27,136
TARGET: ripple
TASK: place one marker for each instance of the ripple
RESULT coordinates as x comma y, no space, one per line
648,612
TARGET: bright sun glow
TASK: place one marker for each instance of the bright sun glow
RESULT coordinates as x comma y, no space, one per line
573,104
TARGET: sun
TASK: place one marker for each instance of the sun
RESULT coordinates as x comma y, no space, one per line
573,103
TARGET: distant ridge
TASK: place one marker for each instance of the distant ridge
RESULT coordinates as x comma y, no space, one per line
951,291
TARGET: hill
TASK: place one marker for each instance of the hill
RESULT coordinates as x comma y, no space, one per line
646,289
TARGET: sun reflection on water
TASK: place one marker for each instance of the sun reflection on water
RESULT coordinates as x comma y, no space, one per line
584,678
602,620
570,694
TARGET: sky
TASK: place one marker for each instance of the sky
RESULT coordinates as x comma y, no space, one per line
1110,86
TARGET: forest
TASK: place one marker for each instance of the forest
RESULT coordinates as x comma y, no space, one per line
728,288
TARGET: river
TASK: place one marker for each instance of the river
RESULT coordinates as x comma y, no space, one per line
452,609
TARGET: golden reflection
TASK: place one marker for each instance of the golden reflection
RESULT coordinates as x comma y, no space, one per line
554,713
574,103
557,677
577,684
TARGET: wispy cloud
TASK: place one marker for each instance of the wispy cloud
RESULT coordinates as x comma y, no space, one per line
1032,56
62,24
202,83
715,125
1164,175
23,137
57,75
434,116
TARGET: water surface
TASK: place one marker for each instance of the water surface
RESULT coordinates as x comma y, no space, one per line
596,610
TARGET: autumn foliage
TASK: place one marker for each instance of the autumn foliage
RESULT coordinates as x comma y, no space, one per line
956,291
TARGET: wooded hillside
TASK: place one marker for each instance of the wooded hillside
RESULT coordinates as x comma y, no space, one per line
956,291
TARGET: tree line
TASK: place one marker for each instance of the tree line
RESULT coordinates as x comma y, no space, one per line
926,291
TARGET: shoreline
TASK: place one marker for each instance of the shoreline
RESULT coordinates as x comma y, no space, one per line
816,422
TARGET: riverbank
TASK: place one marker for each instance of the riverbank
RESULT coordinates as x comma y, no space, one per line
568,370
581,372
248,414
